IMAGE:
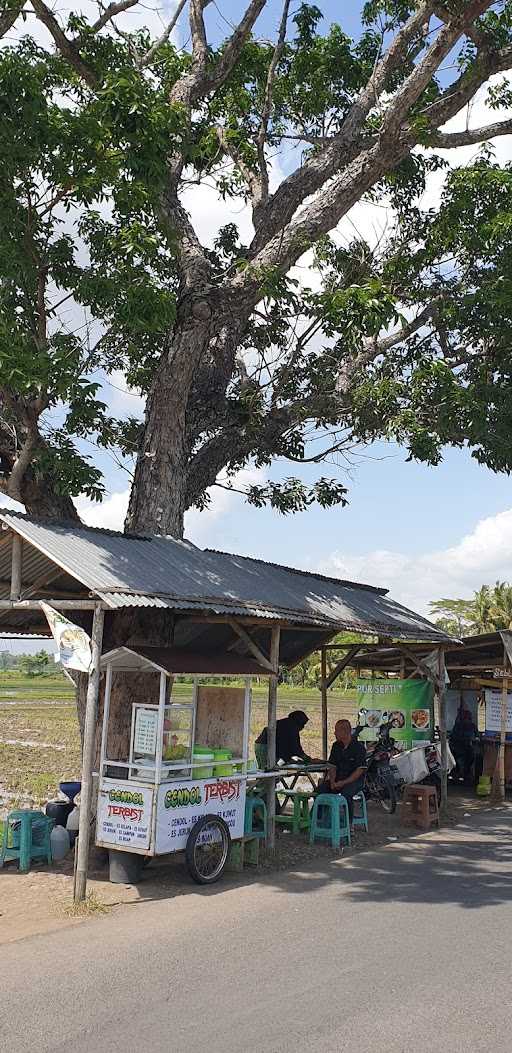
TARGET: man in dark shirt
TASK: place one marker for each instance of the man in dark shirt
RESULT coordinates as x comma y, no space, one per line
288,742
347,763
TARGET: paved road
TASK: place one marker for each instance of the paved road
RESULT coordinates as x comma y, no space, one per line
408,949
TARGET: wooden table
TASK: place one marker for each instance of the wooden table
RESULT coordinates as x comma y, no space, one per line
292,773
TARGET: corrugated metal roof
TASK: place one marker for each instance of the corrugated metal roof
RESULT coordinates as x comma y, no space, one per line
162,572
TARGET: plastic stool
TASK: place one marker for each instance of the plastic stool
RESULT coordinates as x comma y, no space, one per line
26,837
253,805
419,806
362,818
300,819
335,829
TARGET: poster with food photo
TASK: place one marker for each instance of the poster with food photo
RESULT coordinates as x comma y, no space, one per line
407,704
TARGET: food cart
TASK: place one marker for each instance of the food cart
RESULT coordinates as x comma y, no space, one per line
182,786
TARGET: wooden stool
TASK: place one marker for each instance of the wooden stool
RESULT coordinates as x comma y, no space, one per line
419,806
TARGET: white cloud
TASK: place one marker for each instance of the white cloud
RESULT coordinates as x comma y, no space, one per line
480,557
123,401
111,513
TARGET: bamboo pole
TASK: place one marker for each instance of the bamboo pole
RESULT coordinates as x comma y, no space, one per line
91,711
271,737
16,560
323,688
441,688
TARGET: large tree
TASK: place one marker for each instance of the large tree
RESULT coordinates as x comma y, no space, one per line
103,128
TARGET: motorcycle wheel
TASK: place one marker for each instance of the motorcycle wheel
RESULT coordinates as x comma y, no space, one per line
387,797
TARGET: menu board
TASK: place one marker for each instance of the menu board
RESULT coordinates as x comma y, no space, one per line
145,733
180,805
493,711
125,811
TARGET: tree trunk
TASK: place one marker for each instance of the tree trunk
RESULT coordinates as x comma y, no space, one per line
186,397
157,501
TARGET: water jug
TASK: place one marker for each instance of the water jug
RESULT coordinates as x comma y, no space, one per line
60,844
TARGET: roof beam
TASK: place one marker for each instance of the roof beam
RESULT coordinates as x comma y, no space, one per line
340,666
60,605
251,645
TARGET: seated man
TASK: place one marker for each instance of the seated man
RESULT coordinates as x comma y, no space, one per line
347,763
288,742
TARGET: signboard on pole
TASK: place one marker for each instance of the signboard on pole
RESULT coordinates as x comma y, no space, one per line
408,704
125,811
180,805
493,712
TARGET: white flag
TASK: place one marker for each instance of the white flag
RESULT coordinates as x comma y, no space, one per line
74,644
431,660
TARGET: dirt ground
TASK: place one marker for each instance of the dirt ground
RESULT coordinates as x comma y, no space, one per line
40,901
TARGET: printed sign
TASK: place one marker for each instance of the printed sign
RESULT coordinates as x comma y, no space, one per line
408,704
74,644
181,804
124,814
145,734
493,711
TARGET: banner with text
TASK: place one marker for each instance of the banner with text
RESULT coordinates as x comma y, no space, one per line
180,805
125,811
408,704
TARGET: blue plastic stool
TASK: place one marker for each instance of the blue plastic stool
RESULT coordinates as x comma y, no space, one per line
26,837
362,818
253,805
338,823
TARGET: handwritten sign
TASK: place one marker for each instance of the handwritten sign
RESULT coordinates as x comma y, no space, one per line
146,730
493,710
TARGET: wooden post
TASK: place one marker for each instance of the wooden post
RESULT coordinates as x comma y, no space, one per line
503,735
323,688
271,737
403,671
441,688
16,559
91,711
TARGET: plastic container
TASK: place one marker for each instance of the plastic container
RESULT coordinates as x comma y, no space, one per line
202,759
125,868
73,820
60,843
221,768
484,786
59,810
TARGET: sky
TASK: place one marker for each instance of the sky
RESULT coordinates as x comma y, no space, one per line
421,532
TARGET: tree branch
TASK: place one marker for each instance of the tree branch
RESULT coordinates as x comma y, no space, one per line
110,12
232,49
376,347
465,87
422,74
472,136
147,59
66,47
8,18
261,197
345,146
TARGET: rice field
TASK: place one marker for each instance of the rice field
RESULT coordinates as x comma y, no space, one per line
40,742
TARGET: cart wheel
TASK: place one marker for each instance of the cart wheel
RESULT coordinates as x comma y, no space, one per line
207,849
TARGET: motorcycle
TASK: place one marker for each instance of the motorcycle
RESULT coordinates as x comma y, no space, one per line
380,781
